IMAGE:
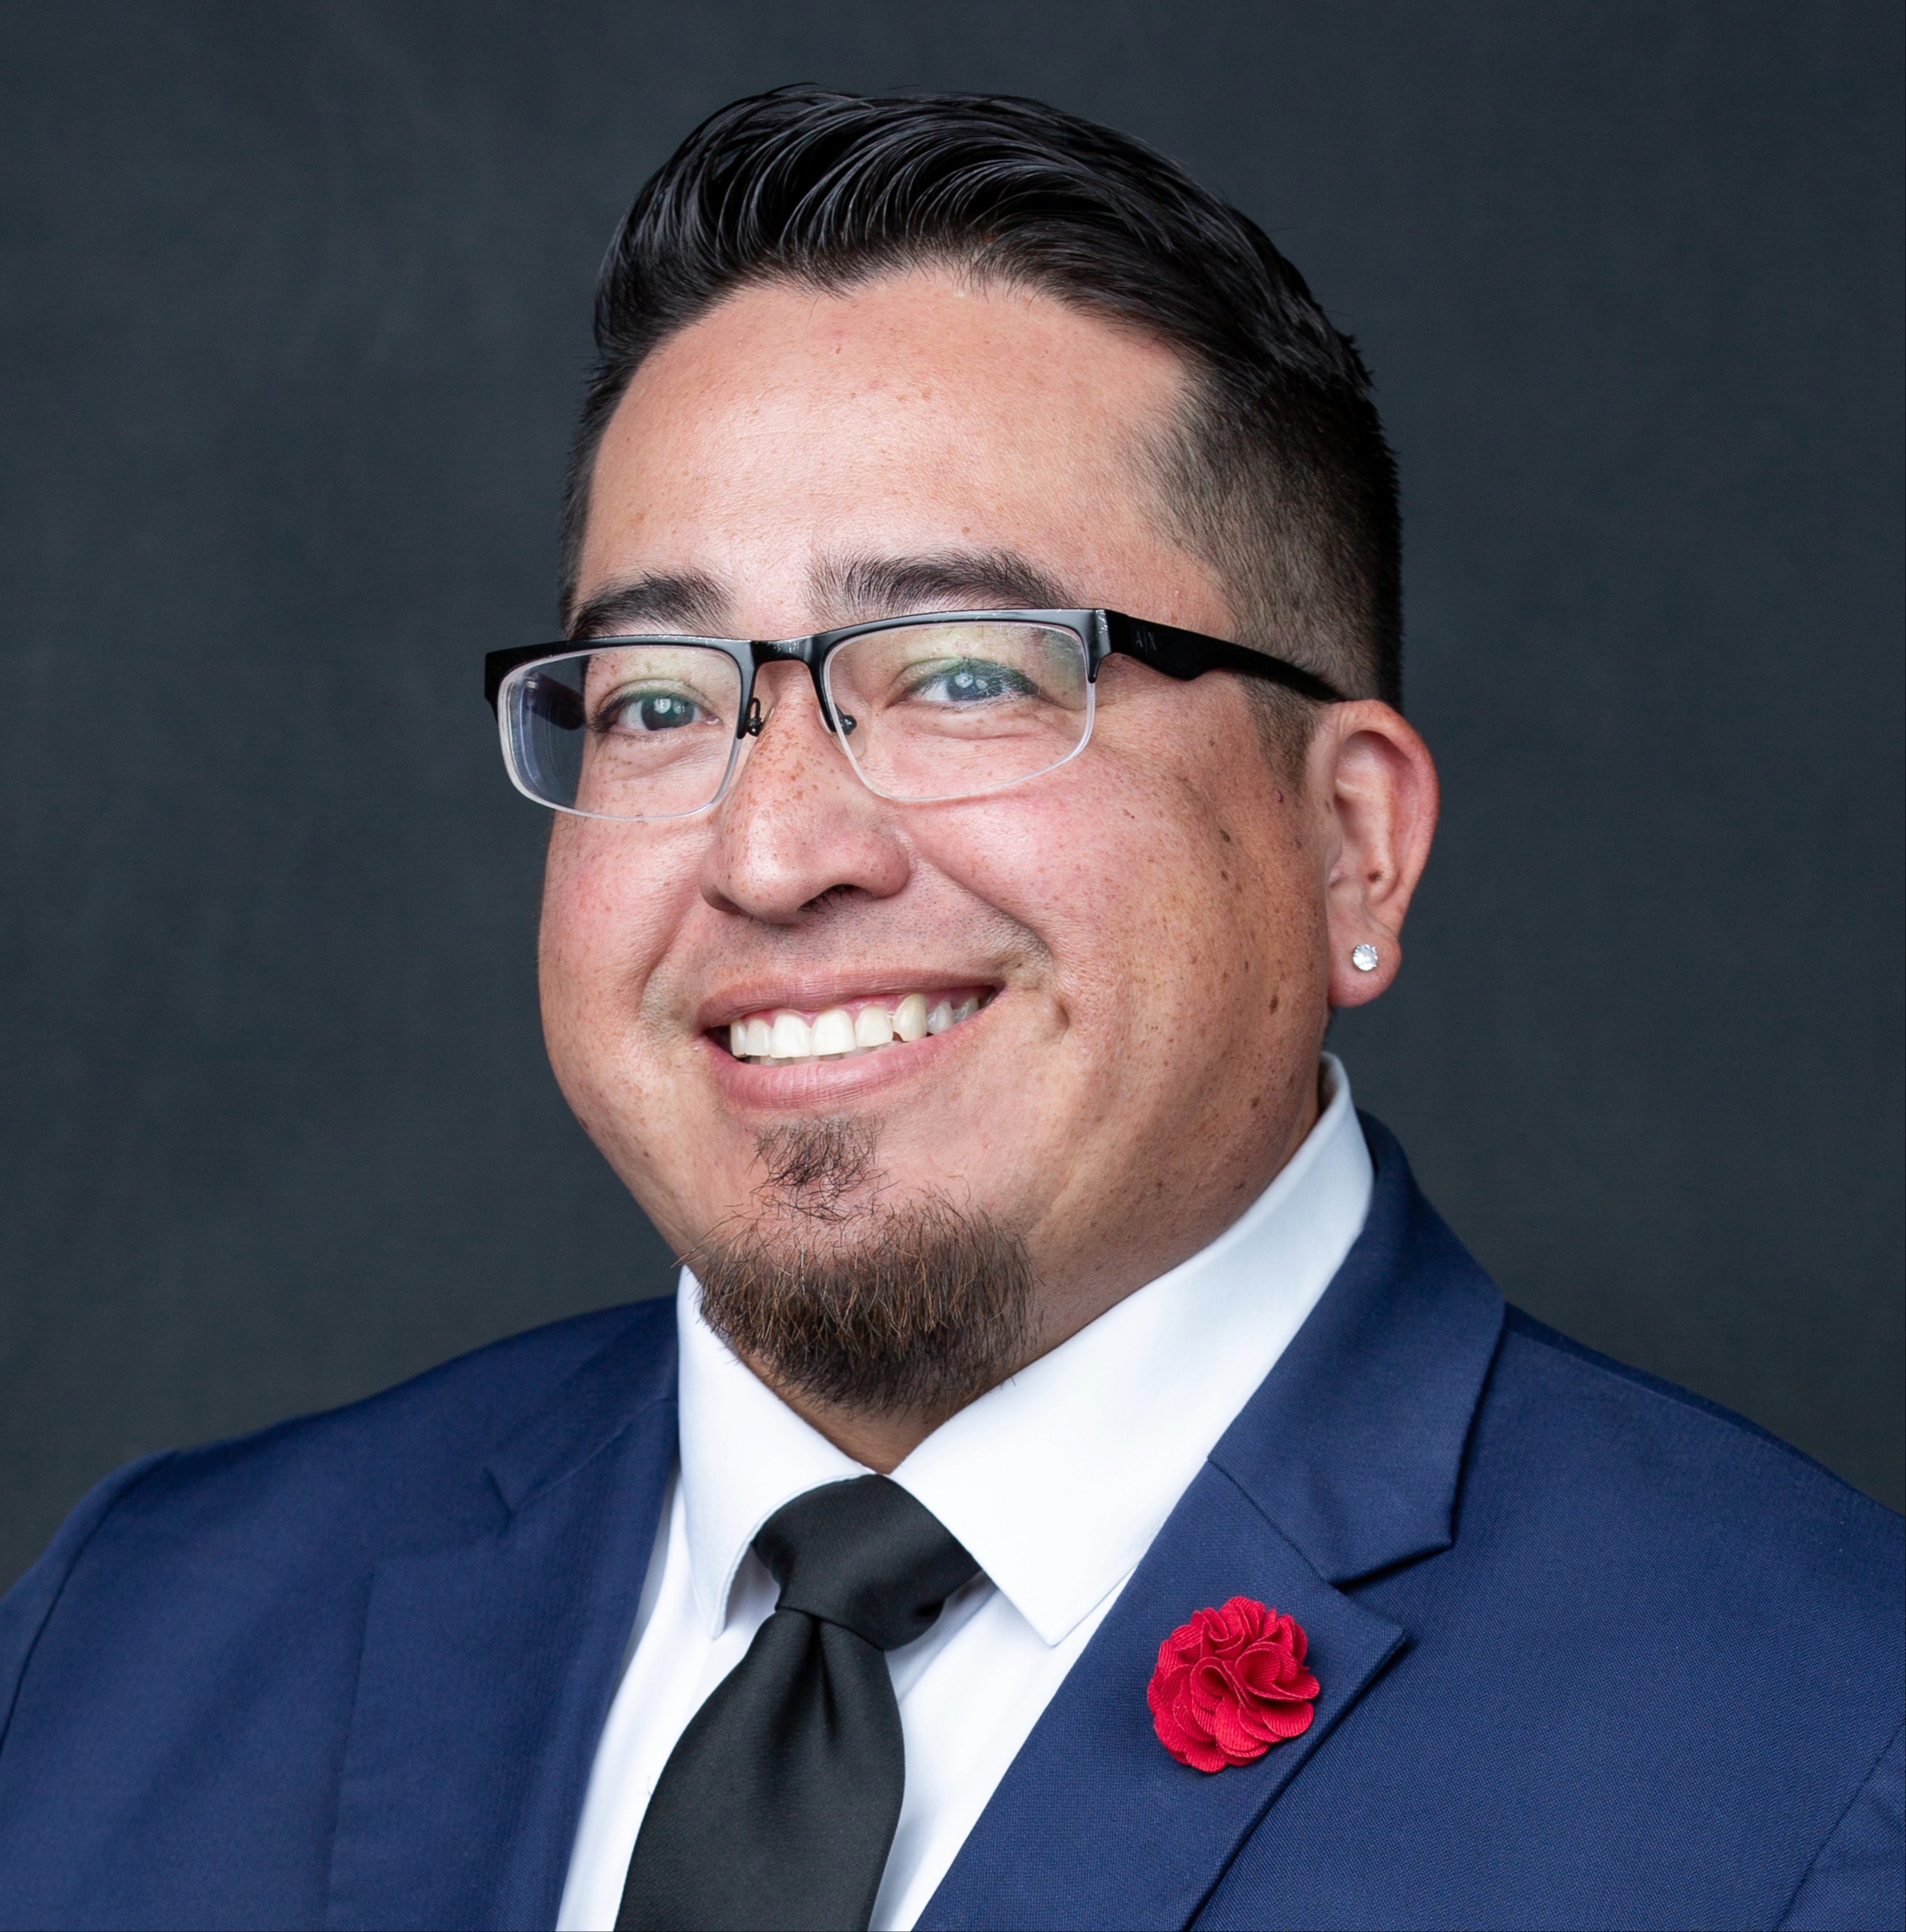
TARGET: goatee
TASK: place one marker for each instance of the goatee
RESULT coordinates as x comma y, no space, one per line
832,1294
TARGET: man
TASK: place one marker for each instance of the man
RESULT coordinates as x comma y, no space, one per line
1080,1482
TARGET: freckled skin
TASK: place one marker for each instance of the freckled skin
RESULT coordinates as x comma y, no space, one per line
1170,918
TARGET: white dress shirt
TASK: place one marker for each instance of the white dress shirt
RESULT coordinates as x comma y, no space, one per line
1057,1481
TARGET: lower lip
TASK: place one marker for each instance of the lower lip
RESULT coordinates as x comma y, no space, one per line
802,1085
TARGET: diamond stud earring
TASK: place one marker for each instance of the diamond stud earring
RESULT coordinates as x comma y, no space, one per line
1364,959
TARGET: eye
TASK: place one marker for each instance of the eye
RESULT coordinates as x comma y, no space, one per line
969,681
649,711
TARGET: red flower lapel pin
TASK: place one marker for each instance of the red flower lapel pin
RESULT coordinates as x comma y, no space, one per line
1230,1684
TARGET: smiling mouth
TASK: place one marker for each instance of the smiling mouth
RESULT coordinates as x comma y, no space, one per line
781,1036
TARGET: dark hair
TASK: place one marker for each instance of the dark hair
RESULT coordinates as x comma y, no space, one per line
1279,475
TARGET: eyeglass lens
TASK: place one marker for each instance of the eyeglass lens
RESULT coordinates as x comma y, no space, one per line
927,711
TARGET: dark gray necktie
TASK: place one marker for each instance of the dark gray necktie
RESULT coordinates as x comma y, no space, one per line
776,1810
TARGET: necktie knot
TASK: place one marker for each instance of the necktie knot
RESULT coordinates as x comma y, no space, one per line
864,1555
778,1805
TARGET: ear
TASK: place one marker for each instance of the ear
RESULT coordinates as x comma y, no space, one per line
1376,782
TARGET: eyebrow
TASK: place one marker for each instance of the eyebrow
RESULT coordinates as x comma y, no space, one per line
860,587
689,605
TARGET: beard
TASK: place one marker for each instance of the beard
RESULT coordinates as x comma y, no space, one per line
856,1303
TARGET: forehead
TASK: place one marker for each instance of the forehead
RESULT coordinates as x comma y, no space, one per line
918,412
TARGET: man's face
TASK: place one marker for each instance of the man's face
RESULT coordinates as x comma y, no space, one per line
1144,928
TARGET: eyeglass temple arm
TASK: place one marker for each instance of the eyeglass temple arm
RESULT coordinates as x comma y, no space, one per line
499,664
1188,654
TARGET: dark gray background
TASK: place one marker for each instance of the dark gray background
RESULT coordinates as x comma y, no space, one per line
294,311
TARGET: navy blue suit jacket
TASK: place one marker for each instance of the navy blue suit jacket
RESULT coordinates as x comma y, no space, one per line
1592,1652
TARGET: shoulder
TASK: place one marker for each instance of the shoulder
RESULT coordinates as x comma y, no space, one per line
414,1448
1722,1615
1674,1443
1664,1644
1649,1476
306,1503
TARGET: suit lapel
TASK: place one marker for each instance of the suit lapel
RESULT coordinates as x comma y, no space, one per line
487,1668
1095,1825
1344,1462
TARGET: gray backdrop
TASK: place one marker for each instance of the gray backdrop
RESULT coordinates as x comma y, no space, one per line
296,306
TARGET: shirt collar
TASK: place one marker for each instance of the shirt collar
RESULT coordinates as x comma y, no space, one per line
744,1453
1057,1480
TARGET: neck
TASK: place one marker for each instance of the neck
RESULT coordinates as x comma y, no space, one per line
880,1440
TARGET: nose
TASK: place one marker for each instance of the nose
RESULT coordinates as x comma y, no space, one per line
797,824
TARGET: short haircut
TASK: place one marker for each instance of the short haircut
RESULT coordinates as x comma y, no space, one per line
1278,475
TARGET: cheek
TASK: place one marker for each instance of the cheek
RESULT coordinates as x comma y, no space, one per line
611,900
1180,899
1150,916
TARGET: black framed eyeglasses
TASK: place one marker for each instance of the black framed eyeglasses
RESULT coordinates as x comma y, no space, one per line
948,705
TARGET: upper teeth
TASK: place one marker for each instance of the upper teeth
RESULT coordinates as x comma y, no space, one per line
778,1034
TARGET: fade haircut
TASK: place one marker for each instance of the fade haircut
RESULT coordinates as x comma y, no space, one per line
1277,473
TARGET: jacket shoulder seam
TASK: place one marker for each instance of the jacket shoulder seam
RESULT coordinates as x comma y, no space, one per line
144,1469
1527,1328
380,1401
1839,1819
